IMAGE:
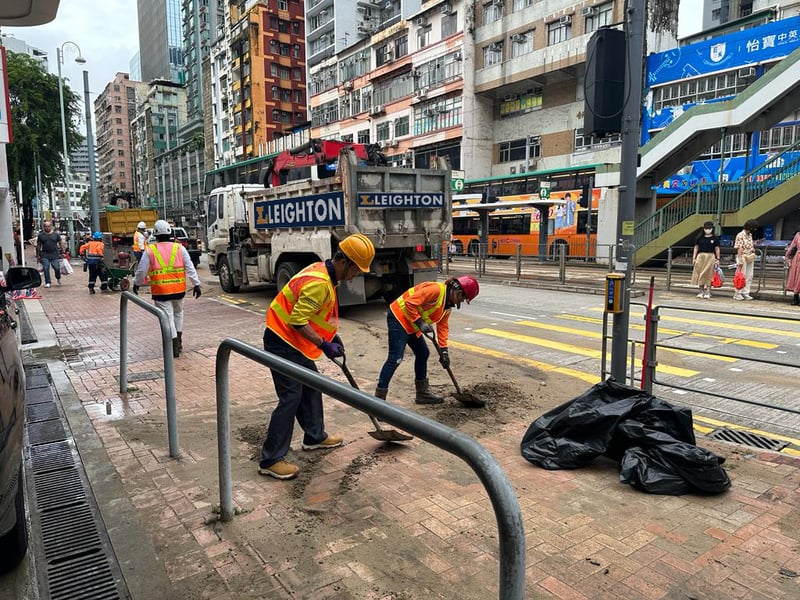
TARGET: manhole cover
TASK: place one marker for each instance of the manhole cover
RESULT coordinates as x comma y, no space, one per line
145,376
747,438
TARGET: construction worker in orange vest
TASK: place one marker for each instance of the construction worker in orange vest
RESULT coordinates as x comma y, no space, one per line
301,326
168,266
139,240
414,313
92,253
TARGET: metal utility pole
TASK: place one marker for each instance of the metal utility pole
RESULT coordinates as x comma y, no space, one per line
631,123
90,146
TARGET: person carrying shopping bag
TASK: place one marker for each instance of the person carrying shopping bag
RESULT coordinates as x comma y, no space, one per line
745,257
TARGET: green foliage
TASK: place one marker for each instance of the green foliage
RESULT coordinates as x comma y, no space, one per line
36,126
662,16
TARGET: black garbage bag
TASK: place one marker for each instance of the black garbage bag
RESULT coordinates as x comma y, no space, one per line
653,438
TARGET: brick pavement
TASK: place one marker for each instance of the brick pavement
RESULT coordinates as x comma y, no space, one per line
368,521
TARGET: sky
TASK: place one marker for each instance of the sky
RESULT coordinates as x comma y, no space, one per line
106,32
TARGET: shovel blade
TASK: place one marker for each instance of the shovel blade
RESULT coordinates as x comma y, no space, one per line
390,435
469,400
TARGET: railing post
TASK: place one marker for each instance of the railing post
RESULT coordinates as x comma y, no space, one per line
669,268
123,344
652,360
224,434
562,263
519,262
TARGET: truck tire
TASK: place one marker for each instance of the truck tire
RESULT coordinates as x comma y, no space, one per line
285,272
225,276
14,544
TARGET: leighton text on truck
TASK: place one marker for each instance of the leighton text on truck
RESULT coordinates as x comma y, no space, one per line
319,194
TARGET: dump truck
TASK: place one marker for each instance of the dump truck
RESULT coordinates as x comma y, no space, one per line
262,234
122,222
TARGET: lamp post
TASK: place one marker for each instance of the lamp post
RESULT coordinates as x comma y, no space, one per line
80,60
90,145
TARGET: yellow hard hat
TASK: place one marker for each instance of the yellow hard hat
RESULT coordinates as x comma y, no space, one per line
359,249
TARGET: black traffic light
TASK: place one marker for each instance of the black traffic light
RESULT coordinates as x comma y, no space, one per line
585,197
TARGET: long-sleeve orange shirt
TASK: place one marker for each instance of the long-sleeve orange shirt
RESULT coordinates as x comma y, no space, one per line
425,301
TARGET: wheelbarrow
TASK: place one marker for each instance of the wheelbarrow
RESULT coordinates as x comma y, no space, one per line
118,277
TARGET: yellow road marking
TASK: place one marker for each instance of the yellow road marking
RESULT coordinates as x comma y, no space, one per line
592,379
569,348
664,330
598,335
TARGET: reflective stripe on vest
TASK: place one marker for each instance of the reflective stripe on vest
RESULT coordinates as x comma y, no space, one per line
139,242
280,310
166,278
430,313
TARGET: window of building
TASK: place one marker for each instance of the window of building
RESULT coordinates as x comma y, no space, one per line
296,51
401,46
401,126
286,95
600,17
274,46
492,11
584,142
493,54
515,150
449,24
437,114
382,131
297,73
423,36
298,96
276,92
273,22
559,31
283,26
283,4
363,136
698,90
273,69
521,44
296,27
285,72
347,138
521,4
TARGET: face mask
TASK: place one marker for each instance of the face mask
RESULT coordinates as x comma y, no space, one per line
708,230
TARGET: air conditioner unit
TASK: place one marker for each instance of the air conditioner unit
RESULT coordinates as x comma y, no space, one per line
519,38
496,47
391,144
422,93
747,72
348,85
565,20
587,11
532,162
457,56
361,9
421,21
361,56
362,30
445,9
377,110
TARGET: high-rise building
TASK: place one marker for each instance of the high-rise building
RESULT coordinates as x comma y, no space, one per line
12,44
202,20
160,40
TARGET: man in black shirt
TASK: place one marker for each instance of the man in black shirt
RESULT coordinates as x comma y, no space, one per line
49,250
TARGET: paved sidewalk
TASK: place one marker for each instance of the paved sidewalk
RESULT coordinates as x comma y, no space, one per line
419,516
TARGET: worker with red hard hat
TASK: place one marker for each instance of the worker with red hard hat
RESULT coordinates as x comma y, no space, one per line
415,313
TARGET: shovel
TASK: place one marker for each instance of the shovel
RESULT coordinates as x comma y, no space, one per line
465,398
384,435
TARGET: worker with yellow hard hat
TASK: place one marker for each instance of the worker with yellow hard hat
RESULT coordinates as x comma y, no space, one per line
301,326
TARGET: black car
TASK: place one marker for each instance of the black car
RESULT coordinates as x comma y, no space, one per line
13,528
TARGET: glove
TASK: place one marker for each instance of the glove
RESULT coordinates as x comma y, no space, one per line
444,358
135,289
423,326
197,292
332,349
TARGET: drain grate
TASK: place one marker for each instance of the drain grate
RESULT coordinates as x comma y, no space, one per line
747,438
43,411
47,457
26,332
69,532
46,431
58,488
38,395
145,376
88,577
35,379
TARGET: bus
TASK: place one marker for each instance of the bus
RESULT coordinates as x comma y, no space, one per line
568,225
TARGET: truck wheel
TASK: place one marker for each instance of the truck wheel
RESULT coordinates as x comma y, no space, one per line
14,544
286,271
226,277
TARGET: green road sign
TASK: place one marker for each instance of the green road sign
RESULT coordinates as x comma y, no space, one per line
457,181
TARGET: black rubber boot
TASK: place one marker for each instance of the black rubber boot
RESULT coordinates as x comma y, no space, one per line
176,352
180,342
796,300
424,393
381,393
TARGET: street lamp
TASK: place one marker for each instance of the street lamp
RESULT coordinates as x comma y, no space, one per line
90,145
60,60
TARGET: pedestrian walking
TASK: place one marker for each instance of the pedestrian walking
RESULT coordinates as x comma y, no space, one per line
301,325
139,240
49,250
413,314
92,253
793,278
745,257
705,259
169,268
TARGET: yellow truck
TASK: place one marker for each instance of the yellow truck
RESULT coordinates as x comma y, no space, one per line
122,223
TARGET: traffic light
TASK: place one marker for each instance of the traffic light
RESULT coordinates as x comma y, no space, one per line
585,197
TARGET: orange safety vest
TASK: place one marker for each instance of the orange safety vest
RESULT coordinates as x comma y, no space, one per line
280,311
432,312
92,250
166,278
137,245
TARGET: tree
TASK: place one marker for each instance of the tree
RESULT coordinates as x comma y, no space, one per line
36,127
662,16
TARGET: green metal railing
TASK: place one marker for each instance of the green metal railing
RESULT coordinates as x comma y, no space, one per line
722,197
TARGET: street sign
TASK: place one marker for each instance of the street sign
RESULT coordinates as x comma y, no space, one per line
544,189
457,181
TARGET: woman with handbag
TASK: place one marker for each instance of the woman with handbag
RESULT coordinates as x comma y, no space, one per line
745,258
705,259
793,278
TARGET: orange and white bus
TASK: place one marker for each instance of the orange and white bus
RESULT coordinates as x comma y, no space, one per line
568,225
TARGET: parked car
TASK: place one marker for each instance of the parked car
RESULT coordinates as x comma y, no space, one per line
179,234
13,527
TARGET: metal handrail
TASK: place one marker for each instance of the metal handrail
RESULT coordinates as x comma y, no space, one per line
511,534
169,362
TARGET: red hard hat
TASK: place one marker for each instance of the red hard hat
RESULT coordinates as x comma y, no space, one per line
469,285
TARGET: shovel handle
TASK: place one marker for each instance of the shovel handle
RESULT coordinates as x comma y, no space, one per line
342,364
432,337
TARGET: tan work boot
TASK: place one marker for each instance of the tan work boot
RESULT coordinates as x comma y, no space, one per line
381,392
280,470
424,393
332,441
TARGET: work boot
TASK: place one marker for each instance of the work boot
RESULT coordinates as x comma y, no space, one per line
424,393
381,393
91,289
332,441
280,470
176,351
180,342
796,300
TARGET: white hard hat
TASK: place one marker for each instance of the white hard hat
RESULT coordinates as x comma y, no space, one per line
141,225
161,227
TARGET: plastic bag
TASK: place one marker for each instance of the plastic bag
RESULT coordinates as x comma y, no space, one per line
66,267
717,280
739,281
